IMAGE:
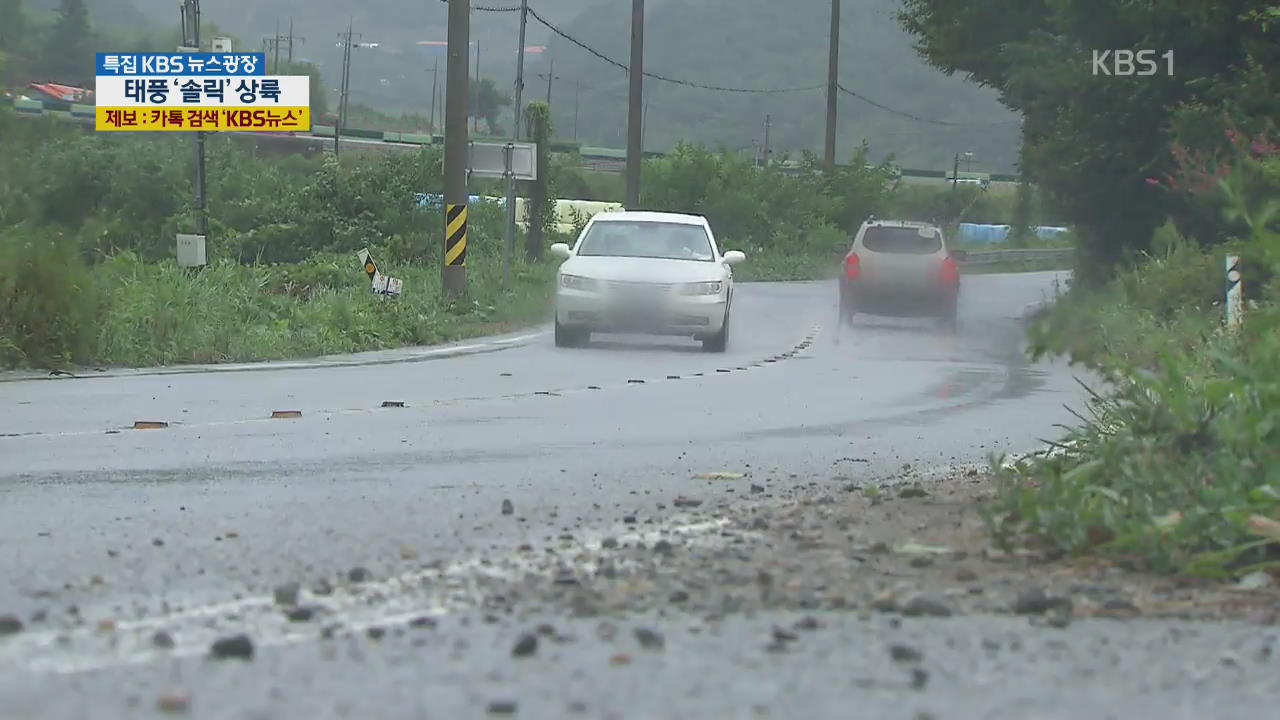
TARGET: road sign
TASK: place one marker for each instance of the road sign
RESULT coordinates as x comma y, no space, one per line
489,159
370,268
384,285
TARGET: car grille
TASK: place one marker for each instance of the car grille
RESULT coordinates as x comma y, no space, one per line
645,288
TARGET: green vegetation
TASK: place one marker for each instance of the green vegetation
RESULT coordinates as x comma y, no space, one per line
87,228
1179,466
1093,141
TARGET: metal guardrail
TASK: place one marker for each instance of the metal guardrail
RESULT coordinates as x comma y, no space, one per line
991,257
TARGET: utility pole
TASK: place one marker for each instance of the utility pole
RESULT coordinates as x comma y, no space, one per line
275,57
292,38
510,238
475,122
551,74
833,84
577,91
190,10
955,174
346,81
767,122
457,95
435,77
635,110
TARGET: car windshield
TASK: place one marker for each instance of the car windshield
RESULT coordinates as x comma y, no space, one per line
660,240
901,240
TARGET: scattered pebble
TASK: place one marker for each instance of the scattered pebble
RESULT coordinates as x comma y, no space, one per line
358,575
287,594
508,508
808,623
300,614
965,575
235,646
926,605
10,625
609,543
163,640
174,704
157,542
679,596
502,707
885,602
921,561
684,502
376,633
526,646
905,654
919,678
620,659
650,639
663,547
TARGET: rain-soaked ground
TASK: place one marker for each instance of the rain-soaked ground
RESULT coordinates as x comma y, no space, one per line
633,530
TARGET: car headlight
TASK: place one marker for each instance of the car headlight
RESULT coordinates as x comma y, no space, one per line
704,288
577,282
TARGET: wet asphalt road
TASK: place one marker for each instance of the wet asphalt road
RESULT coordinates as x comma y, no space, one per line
188,529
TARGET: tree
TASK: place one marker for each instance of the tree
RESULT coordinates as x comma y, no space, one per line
69,55
537,119
1092,139
489,104
12,24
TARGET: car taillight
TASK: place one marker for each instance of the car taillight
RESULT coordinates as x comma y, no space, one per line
950,271
852,266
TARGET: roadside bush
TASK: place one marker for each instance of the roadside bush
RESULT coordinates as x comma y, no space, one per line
1178,469
49,300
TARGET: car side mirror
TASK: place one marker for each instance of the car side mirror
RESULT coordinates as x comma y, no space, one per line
733,257
561,250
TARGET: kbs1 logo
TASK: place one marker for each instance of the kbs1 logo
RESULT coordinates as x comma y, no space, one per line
1128,63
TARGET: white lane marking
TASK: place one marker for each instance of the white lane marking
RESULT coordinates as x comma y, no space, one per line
429,592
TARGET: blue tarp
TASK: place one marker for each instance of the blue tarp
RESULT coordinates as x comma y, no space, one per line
980,234
435,201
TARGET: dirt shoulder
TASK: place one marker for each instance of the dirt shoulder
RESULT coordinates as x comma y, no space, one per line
919,548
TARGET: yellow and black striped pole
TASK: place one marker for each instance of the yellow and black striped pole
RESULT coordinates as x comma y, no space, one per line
455,236
456,106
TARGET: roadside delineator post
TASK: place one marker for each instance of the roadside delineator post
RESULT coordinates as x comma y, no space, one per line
1235,293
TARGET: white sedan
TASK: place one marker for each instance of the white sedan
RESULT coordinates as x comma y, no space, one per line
645,272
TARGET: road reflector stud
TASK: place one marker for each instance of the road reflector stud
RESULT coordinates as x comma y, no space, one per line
722,370
392,403
593,387
286,414
673,377
635,382
771,360
150,425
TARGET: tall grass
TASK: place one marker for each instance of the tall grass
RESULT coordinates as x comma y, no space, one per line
1176,466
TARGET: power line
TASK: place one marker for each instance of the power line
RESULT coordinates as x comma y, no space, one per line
755,91
656,76
917,118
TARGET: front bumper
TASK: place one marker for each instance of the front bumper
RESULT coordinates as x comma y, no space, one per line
695,315
897,301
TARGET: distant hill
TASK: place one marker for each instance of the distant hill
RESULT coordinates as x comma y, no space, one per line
740,43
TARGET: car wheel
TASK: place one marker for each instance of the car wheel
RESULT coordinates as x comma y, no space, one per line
847,311
949,319
720,341
567,337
